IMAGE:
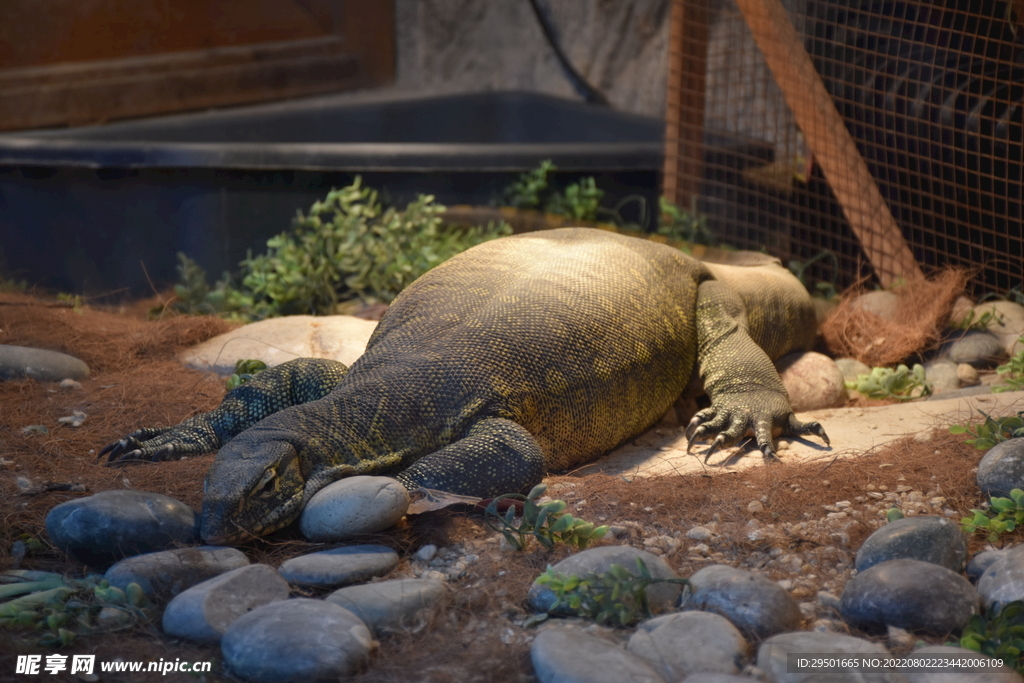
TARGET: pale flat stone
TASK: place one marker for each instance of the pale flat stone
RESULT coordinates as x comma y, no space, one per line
854,431
205,611
277,340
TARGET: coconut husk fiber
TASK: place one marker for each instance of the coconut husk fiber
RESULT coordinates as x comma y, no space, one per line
923,309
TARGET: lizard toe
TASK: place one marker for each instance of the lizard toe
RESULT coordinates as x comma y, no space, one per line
798,428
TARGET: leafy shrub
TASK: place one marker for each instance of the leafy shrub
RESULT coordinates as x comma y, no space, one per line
992,430
998,633
347,246
618,596
547,522
1003,516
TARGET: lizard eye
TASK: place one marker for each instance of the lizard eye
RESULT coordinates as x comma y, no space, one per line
267,485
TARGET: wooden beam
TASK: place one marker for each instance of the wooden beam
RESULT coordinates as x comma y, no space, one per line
828,139
684,102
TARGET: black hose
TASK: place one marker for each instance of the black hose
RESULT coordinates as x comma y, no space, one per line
588,92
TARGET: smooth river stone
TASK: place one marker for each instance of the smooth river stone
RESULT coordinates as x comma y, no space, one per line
206,610
101,529
339,566
165,573
354,506
17,362
296,641
928,538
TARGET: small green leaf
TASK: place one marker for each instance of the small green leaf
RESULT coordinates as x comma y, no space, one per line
537,491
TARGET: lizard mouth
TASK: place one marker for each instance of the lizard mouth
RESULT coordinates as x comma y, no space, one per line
240,526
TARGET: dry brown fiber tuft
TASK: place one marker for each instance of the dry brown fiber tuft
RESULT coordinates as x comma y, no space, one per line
923,309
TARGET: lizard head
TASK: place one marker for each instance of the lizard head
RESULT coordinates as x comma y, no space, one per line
253,487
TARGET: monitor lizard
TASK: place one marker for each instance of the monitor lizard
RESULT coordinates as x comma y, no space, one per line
524,355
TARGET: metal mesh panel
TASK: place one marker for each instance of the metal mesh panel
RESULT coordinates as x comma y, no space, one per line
888,133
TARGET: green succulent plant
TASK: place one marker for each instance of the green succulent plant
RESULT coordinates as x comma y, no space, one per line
618,596
547,522
992,431
56,609
903,383
998,633
1003,516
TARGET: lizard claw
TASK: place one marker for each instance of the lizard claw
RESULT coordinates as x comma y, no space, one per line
126,448
798,428
715,445
732,417
141,445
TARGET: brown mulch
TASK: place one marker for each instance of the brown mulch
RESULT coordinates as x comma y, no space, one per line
922,312
137,382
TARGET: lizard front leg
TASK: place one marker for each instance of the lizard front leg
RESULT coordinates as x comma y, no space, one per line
297,381
496,456
747,395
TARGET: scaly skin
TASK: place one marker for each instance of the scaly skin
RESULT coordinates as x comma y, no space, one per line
532,353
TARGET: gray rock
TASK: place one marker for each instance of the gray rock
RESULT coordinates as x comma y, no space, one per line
340,566
110,525
1007,326
910,594
756,605
18,362
980,563
296,640
1002,468
568,655
277,340
704,677
953,675
164,574
974,347
929,538
813,381
353,506
968,374
962,310
943,374
852,368
384,605
204,611
1003,581
772,657
660,596
881,302
688,642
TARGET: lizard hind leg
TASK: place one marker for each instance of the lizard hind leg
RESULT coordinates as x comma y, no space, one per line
496,456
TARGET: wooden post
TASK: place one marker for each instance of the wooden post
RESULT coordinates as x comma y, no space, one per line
829,140
684,102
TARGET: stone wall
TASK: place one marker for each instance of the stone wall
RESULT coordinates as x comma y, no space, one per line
619,46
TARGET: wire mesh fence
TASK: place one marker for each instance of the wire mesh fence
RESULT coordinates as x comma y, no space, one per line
878,137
